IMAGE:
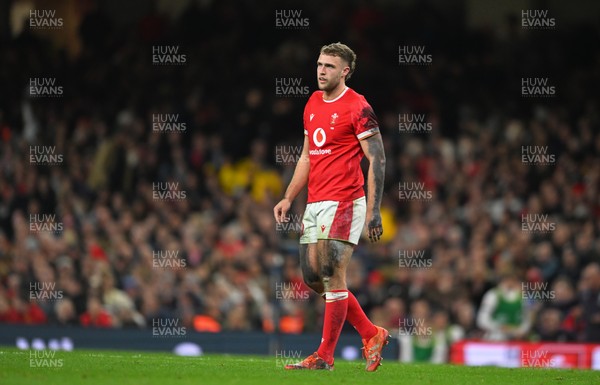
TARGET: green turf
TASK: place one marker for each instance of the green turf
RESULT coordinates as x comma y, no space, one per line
120,367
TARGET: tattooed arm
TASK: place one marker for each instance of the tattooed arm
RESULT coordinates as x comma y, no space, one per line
373,149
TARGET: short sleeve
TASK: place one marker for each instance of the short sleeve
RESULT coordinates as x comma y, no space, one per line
305,116
364,121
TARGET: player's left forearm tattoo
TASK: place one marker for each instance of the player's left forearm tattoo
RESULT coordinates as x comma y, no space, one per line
377,168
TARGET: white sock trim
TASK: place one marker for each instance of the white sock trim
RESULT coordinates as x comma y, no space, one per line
331,296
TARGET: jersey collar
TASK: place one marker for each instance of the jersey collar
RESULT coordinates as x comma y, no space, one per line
338,97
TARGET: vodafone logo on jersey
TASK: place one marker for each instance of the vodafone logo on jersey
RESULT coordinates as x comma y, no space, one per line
319,137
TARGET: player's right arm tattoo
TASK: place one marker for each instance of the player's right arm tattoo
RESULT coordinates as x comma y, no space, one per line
373,148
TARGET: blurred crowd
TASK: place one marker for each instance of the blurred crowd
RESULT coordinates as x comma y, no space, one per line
228,266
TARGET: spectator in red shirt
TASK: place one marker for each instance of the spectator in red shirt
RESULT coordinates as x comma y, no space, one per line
95,315
33,314
20,312
8,313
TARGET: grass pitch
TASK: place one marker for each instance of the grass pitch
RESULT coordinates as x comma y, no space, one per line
121,367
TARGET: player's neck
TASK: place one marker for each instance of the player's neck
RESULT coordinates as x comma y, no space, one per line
336,92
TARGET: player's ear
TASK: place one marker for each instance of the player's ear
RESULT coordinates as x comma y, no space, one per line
345,71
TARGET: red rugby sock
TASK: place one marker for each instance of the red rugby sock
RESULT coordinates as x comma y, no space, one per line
336,308
357,318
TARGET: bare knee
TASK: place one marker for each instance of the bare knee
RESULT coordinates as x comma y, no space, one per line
313,280
332,274
309,266
334,257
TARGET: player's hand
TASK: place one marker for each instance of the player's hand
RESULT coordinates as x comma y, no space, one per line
374,226
281,209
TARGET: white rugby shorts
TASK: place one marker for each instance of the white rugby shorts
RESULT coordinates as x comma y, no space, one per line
342,221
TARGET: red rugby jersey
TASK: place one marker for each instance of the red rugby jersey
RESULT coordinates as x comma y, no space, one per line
334,129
